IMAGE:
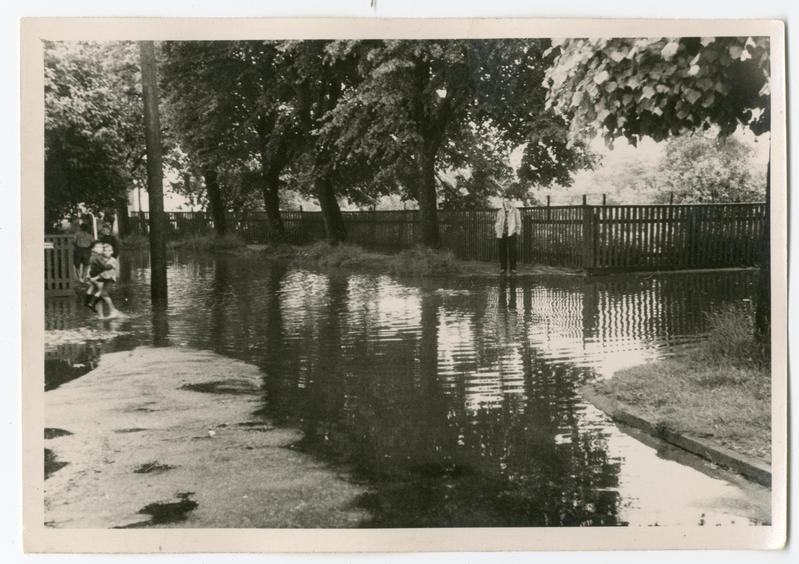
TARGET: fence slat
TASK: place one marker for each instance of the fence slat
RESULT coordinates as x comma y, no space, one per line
623,237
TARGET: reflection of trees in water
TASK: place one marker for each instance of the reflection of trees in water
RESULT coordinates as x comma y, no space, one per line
434,461
456,415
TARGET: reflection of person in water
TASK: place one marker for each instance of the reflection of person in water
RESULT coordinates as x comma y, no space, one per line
506,309
507,295
507,228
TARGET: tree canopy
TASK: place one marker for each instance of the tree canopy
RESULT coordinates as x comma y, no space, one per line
660,87
225,103
94,137
423,108
708,170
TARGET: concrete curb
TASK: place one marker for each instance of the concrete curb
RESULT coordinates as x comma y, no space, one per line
751,468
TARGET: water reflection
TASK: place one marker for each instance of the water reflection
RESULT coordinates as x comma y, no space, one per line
457,403
66,362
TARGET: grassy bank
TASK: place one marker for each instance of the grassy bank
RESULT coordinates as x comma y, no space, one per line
415,262
720,391
208,242
410,262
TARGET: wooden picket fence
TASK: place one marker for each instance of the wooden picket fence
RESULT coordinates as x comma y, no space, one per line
58,277
596,239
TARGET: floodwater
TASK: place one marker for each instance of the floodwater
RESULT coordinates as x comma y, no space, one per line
454,400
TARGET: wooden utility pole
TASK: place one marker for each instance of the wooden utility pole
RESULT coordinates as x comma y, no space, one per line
155,175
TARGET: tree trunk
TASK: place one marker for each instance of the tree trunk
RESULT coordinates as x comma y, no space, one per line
763,308
155,176
428,210
123,220
331,213
271,190
215,201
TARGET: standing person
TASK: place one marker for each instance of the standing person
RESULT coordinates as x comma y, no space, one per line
97,264
109,239
507,228
83,252
104,280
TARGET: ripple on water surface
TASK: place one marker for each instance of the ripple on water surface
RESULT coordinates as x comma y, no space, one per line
454,399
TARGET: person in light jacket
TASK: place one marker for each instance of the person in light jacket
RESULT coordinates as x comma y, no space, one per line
507,229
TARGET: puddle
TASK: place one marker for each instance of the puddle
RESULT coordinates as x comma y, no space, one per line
455,399
152,467
163,513
50,433
220,387
51,463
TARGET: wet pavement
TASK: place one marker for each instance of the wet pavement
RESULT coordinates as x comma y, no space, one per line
452,400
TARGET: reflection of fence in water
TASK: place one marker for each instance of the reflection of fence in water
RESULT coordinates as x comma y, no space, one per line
614,315
60,313
74,352
664,307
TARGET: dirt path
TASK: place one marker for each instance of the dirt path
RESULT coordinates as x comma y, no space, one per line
166,437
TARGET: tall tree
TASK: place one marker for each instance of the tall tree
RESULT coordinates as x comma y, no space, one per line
319,81
94,139
425,107
225,105
661,87
412,93
511,100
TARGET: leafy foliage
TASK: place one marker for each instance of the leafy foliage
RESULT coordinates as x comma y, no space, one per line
701,169
511,100
660,87
94,143
225,104
427,111
692,168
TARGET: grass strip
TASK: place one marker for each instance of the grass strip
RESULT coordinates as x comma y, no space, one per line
720,391
414,262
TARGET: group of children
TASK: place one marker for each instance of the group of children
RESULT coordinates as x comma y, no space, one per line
96,264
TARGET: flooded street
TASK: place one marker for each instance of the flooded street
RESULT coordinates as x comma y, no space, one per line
451,401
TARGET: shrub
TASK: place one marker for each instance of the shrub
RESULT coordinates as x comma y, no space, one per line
421,261
412,262
207,242
322,253
732,340
135,241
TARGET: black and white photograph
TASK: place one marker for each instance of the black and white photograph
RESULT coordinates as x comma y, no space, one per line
330,279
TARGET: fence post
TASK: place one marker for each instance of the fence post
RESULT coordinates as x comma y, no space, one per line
590,228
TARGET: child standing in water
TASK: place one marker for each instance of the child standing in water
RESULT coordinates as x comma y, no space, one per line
96,266
103,269
83,252
108,277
